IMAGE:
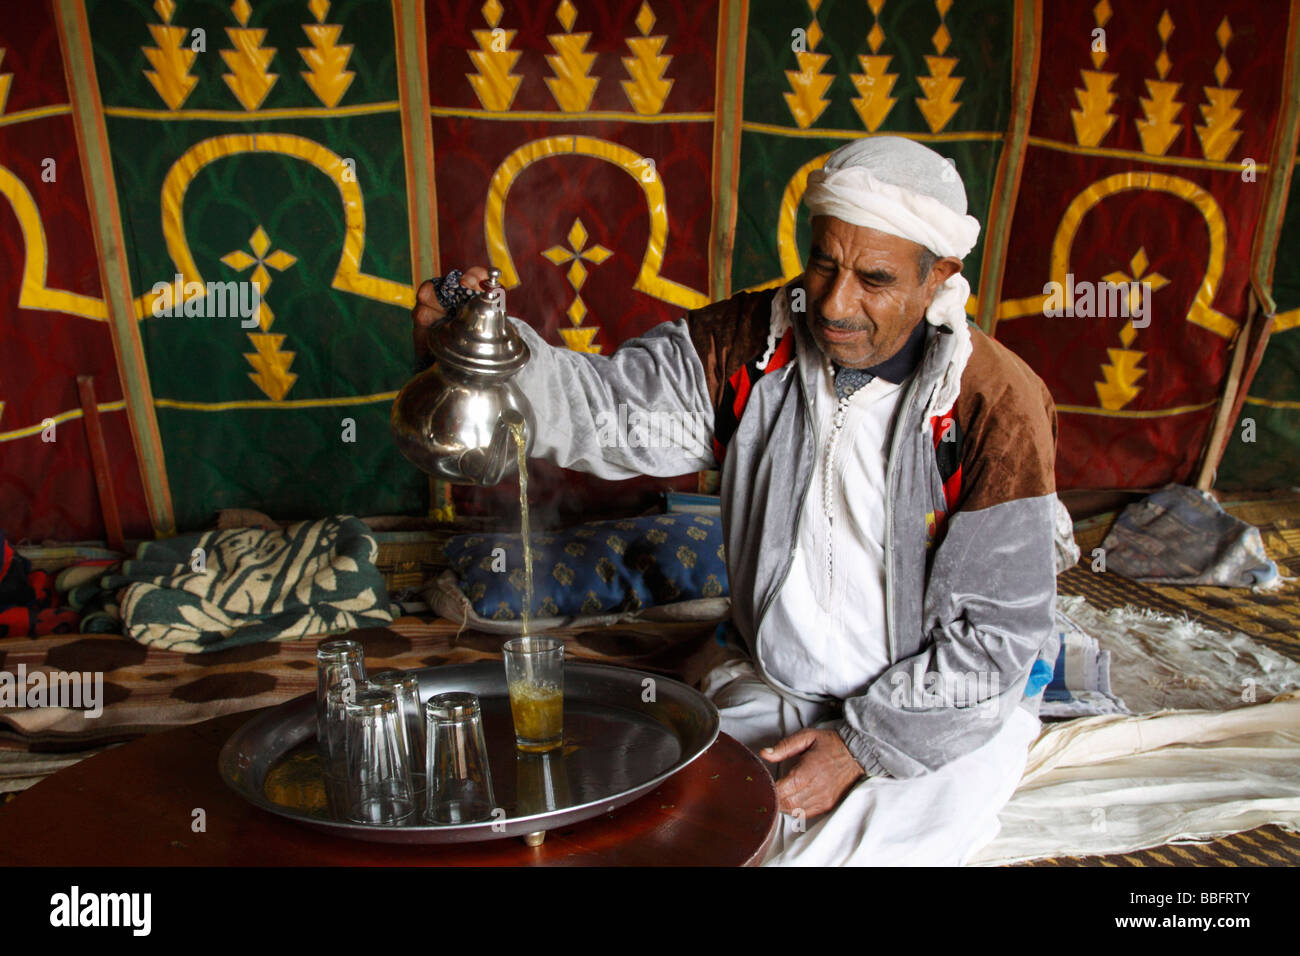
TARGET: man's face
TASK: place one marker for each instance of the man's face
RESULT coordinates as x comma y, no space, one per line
864,293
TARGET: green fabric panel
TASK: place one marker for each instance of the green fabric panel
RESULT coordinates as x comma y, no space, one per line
982,40
291,463
1273,460
982,34
120,29
246,447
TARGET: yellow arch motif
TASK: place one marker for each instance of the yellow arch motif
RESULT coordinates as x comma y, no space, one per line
648,279
787,245
33,293
1202,311
348,277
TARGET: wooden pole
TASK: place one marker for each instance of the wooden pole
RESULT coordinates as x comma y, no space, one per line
99,459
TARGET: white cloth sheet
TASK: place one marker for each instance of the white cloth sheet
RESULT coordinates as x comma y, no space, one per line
1115,784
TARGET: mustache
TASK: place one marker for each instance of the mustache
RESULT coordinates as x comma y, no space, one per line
840,325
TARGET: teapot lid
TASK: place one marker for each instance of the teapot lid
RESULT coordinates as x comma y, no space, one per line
477,338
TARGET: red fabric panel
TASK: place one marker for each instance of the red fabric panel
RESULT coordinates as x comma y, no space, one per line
1155,435
47,489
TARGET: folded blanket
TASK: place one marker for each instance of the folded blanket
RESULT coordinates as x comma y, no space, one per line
220,589
1180,535
29,605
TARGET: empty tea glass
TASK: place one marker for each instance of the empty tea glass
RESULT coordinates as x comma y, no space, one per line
334,753
535,680
337,662
405,686
379,777
459,779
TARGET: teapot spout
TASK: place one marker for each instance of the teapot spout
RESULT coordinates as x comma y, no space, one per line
488,466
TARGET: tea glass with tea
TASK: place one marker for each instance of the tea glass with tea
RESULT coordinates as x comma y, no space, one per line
535,681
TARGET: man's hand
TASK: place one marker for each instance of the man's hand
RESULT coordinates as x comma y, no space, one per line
428,311
824,774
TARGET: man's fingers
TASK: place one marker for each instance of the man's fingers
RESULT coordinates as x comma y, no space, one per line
474,278
427,308
789,747
426,294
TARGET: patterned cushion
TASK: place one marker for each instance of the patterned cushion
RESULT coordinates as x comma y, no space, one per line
597,568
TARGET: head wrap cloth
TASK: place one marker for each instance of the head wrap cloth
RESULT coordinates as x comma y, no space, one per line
902,188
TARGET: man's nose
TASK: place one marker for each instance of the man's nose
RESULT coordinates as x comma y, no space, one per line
838,302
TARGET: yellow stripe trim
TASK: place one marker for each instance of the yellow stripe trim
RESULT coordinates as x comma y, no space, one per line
1284,321
1138,156
1272,402
269,404
59,419
39,112
862,134
584,116
1127,413
241,116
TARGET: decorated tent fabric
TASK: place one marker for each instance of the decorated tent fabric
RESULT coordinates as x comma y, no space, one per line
282,167
1264,448
620,161
1136,170
53,317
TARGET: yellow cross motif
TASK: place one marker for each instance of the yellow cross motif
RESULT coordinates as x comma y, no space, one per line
271,365
1119,385
1139,265
279,260
578,338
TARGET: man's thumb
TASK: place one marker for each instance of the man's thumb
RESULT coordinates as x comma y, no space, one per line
787,748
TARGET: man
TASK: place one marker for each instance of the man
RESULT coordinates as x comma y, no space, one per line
888,505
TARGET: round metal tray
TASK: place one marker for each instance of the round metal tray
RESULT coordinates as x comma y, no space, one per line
617,746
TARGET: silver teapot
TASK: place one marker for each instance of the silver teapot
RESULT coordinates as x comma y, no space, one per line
453,420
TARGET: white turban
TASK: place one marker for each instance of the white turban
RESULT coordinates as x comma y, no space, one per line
900,187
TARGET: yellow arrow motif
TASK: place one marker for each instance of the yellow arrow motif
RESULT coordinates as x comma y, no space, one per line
329,78
1218,136
807,101
248,61
938,105
171,65
1093,120
873,84
648,89
1161,126
272,376
571,87
494,84
1120,376
170,61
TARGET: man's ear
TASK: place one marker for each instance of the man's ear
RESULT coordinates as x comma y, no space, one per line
943,269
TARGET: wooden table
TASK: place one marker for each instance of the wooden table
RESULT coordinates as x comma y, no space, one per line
134,806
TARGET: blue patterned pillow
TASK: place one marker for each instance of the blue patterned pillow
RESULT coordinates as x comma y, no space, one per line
602,567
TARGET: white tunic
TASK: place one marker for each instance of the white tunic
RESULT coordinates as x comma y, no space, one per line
825,631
